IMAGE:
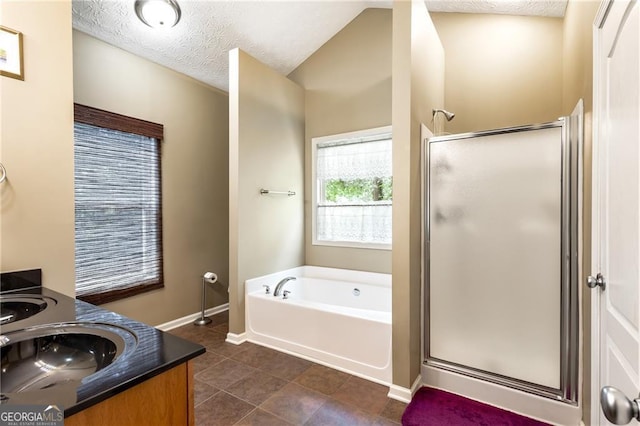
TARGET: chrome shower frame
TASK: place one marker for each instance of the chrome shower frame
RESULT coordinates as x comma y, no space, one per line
570,210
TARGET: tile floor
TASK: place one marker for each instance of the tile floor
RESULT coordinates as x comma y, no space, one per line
249,384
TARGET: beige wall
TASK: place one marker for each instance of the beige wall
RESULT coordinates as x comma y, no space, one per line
577,54
348,88
194,169
36,146
266,150
418,86
501,70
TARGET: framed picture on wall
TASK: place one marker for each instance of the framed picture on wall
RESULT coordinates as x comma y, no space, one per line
11,61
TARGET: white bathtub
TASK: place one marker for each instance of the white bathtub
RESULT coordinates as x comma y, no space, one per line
336,317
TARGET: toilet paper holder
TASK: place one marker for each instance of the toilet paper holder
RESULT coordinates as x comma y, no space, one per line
211,278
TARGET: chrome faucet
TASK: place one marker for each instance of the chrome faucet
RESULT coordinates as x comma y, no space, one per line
279,286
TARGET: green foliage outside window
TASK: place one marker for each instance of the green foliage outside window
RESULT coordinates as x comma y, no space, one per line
359,190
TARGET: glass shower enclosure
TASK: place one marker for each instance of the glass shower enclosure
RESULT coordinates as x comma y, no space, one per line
500,256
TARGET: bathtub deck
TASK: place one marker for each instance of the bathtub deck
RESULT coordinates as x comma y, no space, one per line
250,384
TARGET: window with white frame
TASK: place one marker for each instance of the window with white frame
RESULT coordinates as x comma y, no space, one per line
118,220
353,189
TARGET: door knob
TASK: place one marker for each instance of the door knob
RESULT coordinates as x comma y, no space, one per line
598,281
617,408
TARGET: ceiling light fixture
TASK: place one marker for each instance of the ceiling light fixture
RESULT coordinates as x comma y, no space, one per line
158,13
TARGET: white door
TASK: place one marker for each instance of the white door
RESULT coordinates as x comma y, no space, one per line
616,217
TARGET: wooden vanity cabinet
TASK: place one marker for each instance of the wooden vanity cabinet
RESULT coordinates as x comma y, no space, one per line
166,399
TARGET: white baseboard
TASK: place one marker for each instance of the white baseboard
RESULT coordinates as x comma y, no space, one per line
400,393
191,318
236,339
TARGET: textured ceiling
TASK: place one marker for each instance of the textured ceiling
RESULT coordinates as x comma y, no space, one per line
550,8
281,34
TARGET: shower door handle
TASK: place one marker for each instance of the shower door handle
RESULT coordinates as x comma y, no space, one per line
598,281
617,408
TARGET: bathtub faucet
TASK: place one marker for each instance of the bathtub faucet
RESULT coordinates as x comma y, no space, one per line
281,284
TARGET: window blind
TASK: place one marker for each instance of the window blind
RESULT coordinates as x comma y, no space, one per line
118,213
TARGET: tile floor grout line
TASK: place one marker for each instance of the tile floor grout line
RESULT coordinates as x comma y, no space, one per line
195,376
273,414
287,421
248,414
331,396
211,396
237,397
314,413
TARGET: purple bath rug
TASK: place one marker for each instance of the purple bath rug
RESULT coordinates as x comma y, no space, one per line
433,407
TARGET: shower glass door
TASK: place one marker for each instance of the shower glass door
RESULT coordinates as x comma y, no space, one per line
497,221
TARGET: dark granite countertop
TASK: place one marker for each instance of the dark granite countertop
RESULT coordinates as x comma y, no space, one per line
155,353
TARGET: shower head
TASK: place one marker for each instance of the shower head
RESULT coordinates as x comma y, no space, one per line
448,115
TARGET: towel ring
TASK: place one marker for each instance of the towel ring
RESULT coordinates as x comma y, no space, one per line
3,173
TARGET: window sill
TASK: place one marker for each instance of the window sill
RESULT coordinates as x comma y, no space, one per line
352,244
114,295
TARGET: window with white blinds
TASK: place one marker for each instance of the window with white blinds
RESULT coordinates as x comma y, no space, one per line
352,199
118,216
